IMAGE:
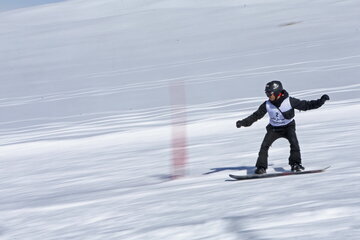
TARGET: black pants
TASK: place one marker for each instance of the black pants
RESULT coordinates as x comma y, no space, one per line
274,133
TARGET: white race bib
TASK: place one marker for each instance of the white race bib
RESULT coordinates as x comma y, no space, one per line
276,117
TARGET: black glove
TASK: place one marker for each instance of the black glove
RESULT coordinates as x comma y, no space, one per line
325,97
239,124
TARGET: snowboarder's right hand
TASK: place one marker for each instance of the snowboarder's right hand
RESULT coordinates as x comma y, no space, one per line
325,97
239,124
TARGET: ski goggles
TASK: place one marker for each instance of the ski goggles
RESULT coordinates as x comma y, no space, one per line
269,94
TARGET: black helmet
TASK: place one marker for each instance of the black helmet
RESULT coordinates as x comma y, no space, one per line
273,87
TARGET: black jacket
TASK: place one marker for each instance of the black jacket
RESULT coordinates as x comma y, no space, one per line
302,105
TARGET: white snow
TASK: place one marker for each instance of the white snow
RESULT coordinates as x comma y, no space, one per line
85,123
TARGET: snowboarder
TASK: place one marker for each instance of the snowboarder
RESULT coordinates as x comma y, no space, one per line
280,108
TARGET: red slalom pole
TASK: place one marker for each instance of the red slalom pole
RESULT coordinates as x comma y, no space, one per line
179,134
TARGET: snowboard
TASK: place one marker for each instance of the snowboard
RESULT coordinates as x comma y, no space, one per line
277,174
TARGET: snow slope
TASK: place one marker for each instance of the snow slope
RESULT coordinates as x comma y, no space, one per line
16,4
85,123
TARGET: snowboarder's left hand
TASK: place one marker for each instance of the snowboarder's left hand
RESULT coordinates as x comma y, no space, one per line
325,97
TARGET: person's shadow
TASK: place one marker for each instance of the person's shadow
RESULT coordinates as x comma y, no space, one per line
249,169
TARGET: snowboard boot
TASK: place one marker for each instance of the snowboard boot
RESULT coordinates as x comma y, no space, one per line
260,170
297,167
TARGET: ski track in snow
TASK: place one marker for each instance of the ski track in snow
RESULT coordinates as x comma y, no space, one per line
297,67
113,122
